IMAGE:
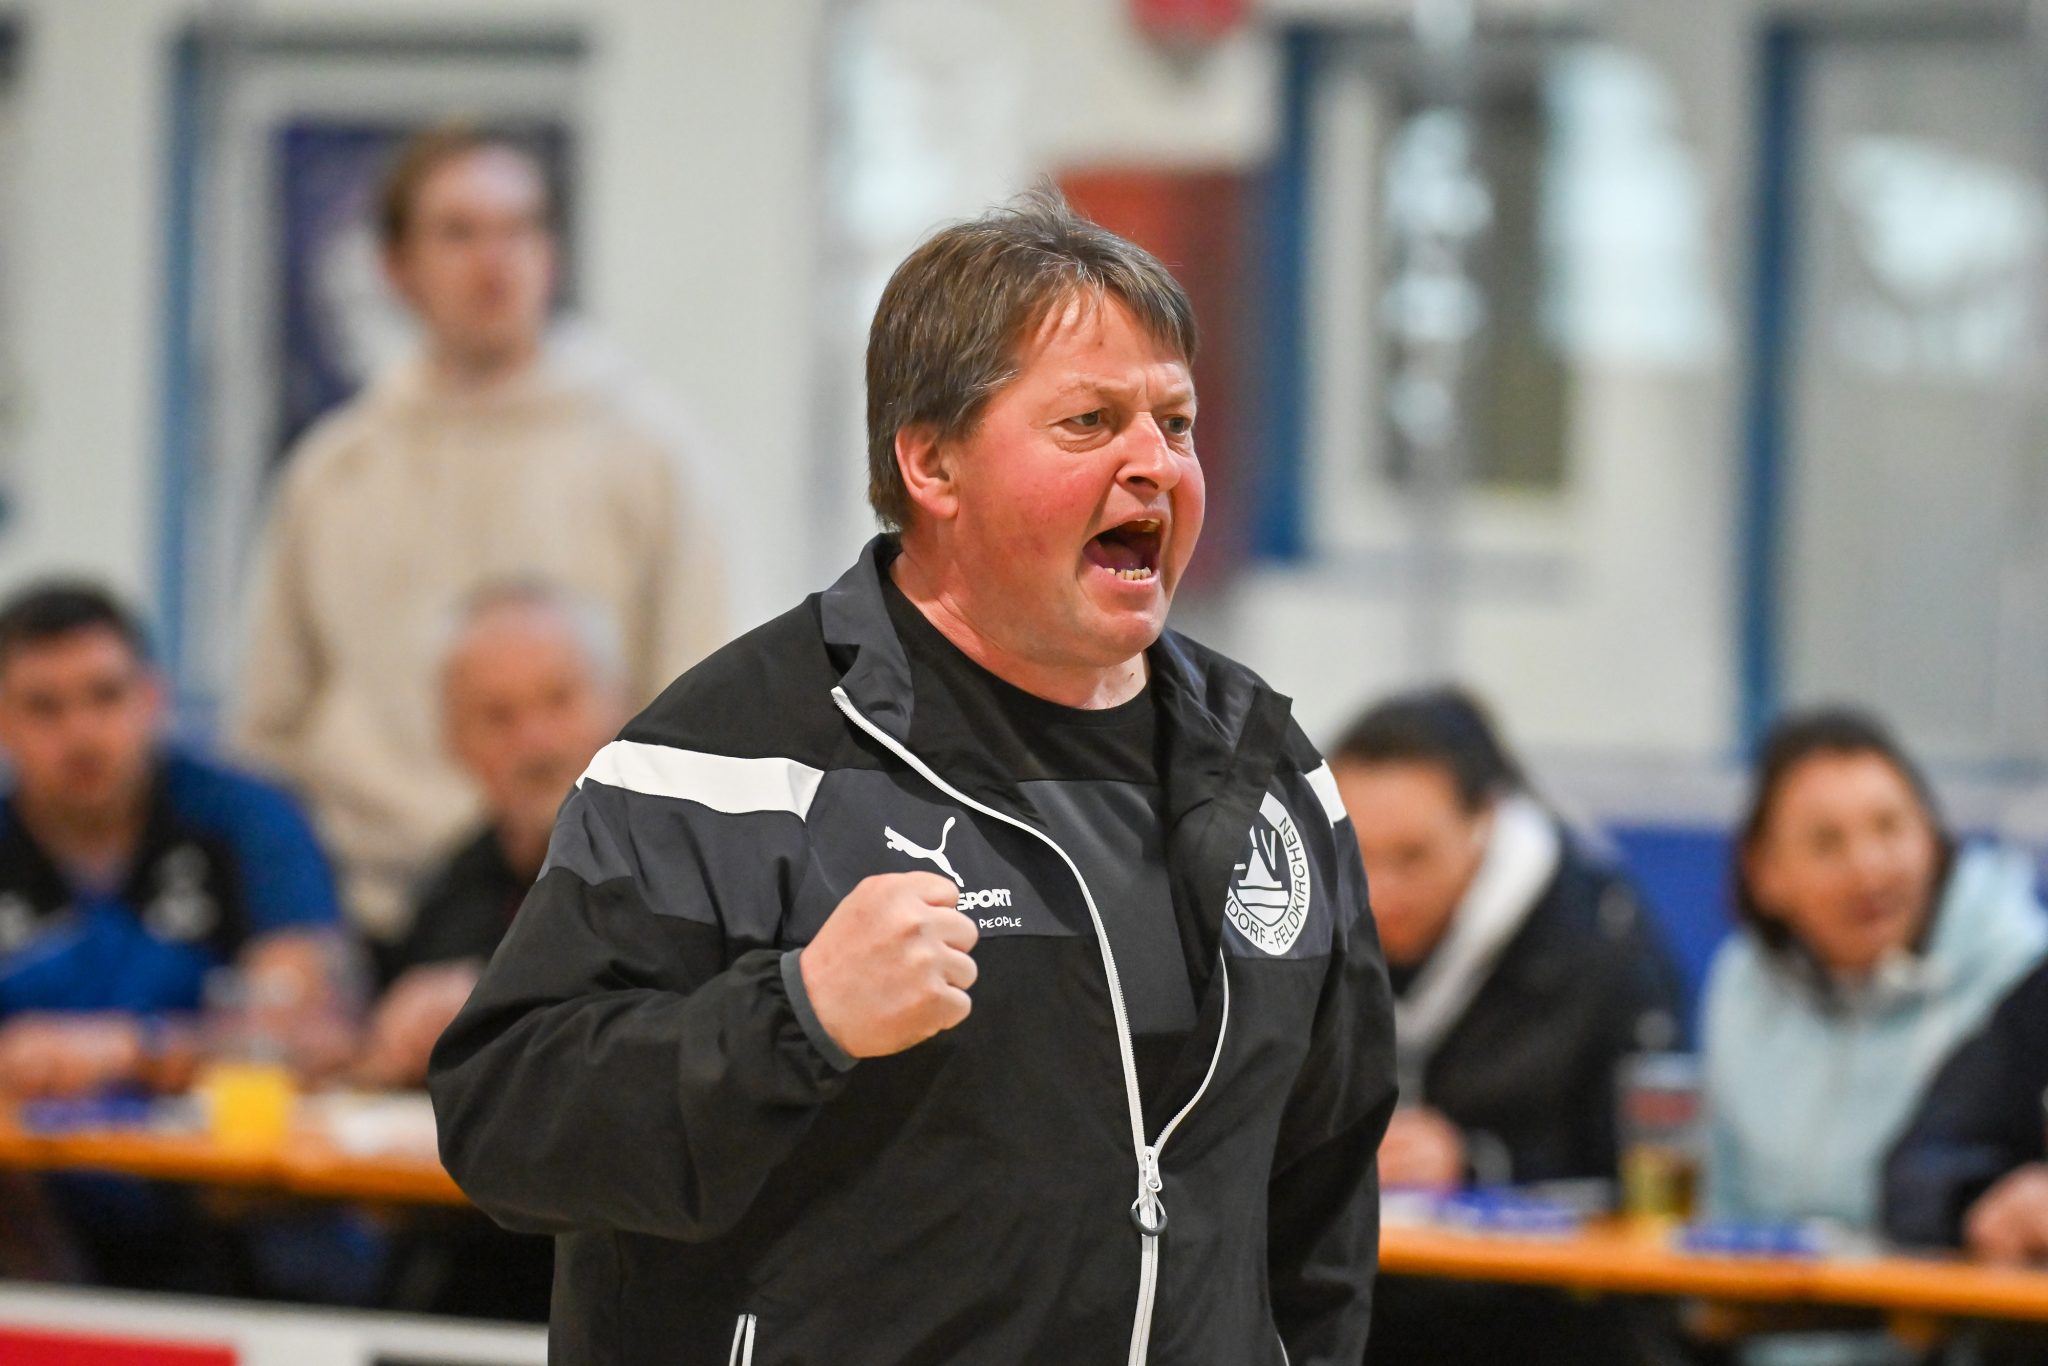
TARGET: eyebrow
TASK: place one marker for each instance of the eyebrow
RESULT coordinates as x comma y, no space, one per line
1116,389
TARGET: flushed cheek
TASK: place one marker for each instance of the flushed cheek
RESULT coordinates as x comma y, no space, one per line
1044,510
1190,502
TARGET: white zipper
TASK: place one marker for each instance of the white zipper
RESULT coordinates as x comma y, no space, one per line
742,1353
1148,1212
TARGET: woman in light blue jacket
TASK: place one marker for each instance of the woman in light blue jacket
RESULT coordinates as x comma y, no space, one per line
1869,948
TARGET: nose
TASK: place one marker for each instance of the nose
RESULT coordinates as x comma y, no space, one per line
1149,458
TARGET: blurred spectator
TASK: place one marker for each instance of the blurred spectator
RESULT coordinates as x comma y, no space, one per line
1972,1169
1870,946
128,868
1492,914
1524,971
130,871
531,689
500,450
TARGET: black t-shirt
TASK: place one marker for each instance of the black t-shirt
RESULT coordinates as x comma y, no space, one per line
1093,775
463,909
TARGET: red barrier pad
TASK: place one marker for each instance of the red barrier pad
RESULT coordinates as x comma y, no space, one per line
19,1347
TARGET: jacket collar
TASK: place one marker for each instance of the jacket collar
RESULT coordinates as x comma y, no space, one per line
857,627
1211,704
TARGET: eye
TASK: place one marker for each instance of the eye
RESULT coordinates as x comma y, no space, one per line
1088,422
1178,424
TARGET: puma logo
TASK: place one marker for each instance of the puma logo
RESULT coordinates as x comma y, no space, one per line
933,856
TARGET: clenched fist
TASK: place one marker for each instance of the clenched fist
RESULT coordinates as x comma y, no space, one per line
892,965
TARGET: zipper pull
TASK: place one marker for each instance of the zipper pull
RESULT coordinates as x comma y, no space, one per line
1148,1212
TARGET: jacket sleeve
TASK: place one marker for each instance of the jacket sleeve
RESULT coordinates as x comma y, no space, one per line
287,882
1981,1118
637,1055
1323,1197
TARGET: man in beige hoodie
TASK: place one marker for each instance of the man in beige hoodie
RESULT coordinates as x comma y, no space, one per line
500,451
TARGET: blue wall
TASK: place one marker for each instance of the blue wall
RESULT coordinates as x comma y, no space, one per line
1683,872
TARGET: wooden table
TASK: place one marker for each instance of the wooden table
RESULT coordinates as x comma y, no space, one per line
1617,1260
1603,1259
306,1164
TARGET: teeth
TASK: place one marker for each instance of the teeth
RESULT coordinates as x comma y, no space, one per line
1147,525
1134,575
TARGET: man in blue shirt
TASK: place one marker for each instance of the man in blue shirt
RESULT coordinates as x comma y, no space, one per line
129,870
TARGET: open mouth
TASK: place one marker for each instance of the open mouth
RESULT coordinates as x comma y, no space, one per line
1129,551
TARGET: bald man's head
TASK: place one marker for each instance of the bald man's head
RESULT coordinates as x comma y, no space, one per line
531,688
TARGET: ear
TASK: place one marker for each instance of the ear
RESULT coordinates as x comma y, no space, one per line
929,468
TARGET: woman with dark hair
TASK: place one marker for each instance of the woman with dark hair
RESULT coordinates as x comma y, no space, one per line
1524,970
1869,946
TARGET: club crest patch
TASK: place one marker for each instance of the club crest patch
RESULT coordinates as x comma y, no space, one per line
1269,891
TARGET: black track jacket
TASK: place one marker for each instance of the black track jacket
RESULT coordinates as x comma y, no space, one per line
639,1073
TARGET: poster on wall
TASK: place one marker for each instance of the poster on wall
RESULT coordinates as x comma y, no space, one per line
338,321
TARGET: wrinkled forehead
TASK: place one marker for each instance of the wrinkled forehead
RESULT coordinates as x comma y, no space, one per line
516,641
1078,309
1070,350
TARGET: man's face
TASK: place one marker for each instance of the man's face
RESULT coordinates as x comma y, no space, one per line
526,710
1078,498
78,720
1421,849
477,261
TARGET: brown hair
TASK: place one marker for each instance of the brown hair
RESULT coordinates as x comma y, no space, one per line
953,319
428,151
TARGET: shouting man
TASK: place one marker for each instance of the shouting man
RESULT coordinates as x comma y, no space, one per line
960,967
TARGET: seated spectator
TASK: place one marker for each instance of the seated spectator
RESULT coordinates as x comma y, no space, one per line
1972,1168
1869,947
505,446
1492,915
1524,971
531,688
129,871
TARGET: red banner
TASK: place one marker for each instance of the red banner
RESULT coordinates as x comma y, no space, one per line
19,1347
